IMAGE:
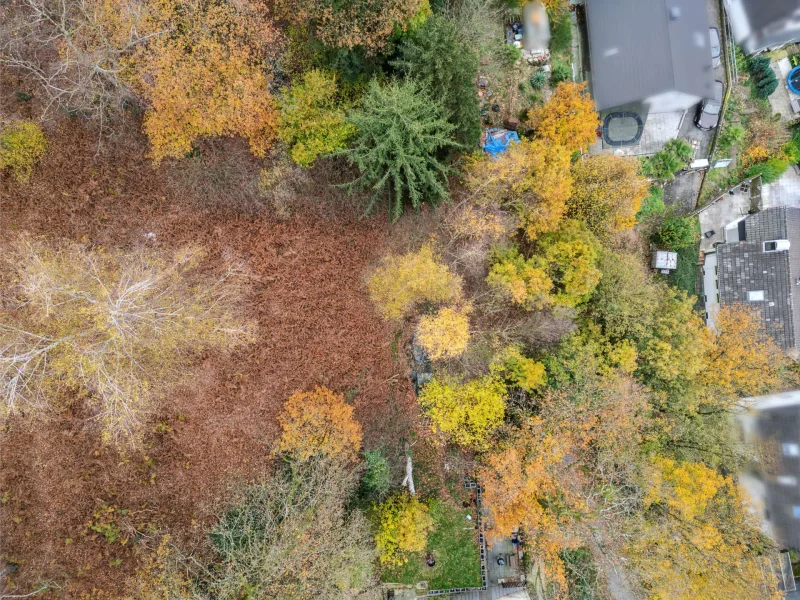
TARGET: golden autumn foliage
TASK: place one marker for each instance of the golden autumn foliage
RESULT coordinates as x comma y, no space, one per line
607,193
318,423
467,413
404,524
698,538
402,282
519,370
22,145
742,359
533,177
563,273
117,327
568,119
206,78
369,24
446,333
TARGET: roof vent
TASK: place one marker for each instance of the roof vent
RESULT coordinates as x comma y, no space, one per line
674,13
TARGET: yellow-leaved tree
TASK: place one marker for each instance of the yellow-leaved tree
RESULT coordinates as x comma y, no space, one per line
118,327
205,77
607,193
318,423
401,283
697,537
568,119
445,334
404,525
467,413
533,177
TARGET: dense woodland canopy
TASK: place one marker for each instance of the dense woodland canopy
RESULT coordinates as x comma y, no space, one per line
192,296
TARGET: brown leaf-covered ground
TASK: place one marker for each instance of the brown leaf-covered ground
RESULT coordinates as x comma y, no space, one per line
316,327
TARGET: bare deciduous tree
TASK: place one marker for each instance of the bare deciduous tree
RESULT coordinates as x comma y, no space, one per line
79,51
108,326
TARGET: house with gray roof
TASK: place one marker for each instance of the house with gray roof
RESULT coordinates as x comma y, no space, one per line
758,264
760,25
647,57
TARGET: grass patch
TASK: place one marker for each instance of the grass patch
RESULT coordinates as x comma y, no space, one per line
453,544
561,35
685,276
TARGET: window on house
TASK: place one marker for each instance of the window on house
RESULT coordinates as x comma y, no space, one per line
786,479
755,296
790,449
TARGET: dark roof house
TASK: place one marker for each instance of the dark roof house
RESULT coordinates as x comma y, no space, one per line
653,54
762,269
760,25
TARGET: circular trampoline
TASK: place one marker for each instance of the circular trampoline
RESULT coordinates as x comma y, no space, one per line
622,128
794,80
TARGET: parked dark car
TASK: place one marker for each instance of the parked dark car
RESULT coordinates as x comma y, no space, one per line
713,34
708,110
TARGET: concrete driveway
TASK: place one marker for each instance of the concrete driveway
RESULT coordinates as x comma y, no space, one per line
683,191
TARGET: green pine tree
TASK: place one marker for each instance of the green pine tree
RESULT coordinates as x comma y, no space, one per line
438,58
402,132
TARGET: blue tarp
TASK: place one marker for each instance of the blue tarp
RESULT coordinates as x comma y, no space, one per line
498,141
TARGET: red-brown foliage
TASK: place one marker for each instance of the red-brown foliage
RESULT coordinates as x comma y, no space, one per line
317,327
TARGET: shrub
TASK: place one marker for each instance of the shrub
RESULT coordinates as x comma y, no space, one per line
763,77
538,80
559,72
731,135
445,334
376,480
318,423
310,123
510,54
663,165
677,233
22,145
402,282
403,526
401,130
770,171
466,413
440,60
653,204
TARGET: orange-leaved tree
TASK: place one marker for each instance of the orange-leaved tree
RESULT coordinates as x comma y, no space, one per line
568,119
318,423
743,360
205,77
533,177
607,193
524,483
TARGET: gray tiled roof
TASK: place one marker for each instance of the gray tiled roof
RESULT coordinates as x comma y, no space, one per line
638,51
744,267
783,425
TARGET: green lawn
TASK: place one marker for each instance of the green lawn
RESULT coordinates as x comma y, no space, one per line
685,276
454,545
